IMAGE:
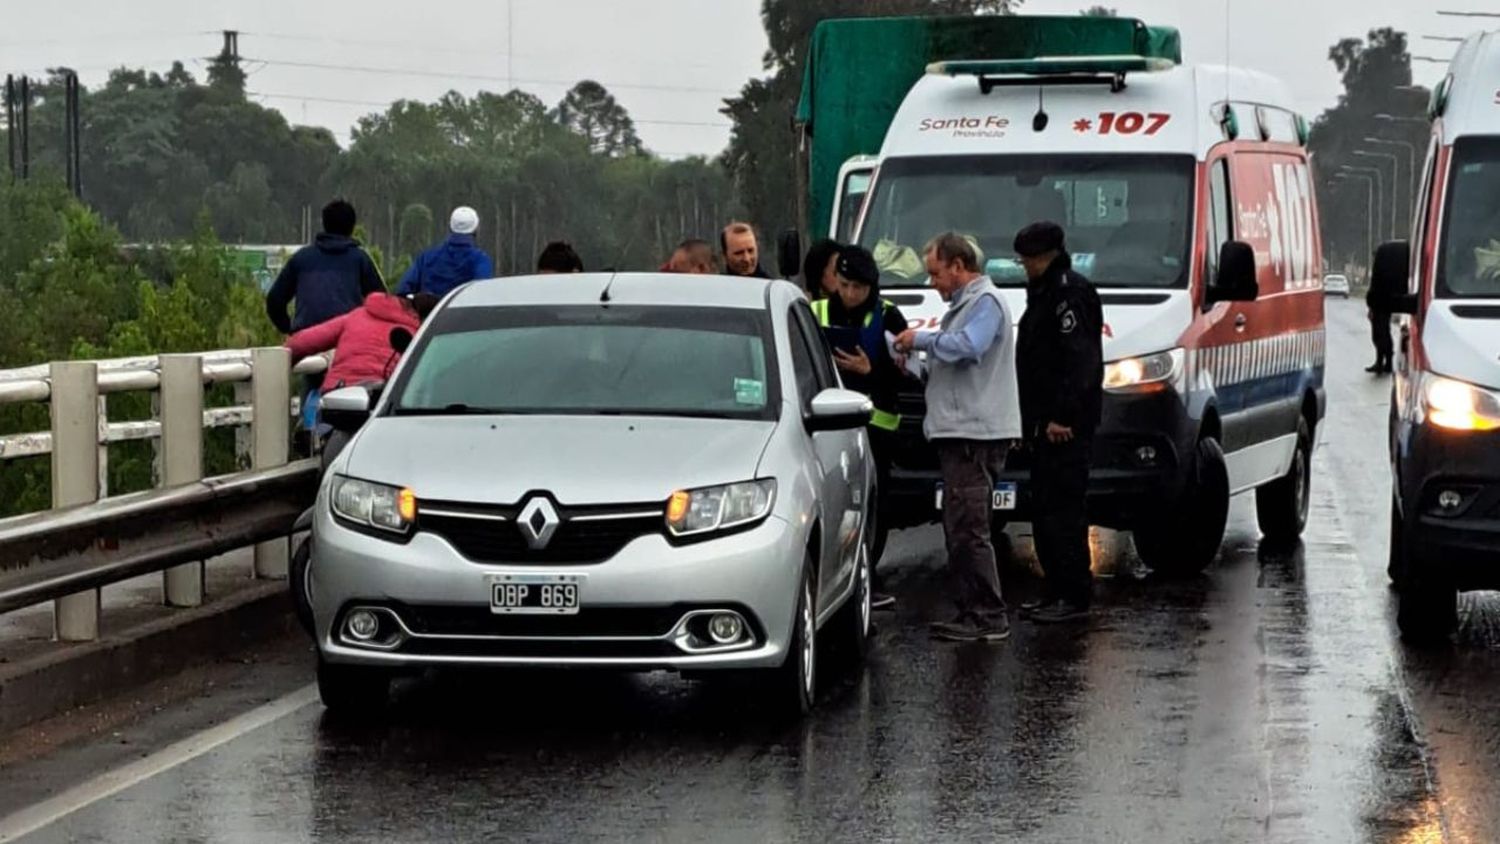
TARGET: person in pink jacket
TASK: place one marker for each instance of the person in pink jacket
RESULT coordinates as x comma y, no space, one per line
360,339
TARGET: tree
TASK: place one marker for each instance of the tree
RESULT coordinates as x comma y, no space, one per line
591,111
1377,79
762,154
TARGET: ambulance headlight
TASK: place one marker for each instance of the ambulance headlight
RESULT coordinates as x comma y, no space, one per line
1459,406
1147,372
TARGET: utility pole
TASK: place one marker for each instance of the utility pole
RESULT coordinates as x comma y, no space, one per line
1411,173
1369,213
1395,178
1377,212
232,45
10,125
25,128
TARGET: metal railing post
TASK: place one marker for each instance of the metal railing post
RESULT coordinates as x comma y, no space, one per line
270,433
180,411
75,477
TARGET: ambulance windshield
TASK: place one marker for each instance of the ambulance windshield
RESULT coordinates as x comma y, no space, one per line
1470,265
1128,217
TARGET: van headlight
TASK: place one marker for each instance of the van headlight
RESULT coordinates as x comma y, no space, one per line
379,506
692,512
1458,405
1145,372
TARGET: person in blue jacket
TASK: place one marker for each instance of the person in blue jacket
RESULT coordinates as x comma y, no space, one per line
326,279
458,260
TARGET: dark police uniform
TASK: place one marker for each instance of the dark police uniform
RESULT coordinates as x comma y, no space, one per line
1060,370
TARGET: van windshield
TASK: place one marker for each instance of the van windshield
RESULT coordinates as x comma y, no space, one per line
1128,217
1470,262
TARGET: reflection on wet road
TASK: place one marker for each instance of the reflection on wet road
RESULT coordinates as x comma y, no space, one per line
1267,700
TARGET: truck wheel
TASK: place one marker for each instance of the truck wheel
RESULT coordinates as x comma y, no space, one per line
353,690
1281,506
1187,538
298,586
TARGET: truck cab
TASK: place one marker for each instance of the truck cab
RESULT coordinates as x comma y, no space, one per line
1187,200
1444,287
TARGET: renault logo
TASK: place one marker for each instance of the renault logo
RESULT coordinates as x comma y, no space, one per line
539,521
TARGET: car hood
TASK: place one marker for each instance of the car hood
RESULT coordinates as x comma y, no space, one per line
1462,340
578,459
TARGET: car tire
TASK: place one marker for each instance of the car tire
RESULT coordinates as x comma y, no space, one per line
1395,567
1427,607
298,586
793,686
1188,539
1281,507
353,690
851,625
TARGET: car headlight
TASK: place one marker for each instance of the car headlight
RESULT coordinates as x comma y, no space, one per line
1145,372
1459,406
379,506
697,511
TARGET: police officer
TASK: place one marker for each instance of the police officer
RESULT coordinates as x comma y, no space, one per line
856,320
1060,367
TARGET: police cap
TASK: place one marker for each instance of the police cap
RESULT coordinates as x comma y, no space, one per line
1039,239
858,265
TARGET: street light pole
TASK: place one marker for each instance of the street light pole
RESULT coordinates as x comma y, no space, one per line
1411,174
1395,179
1369,212
1378,211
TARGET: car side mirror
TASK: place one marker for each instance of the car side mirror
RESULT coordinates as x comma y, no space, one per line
789,253
839,410
1389,276
400,339
347,409
1236,280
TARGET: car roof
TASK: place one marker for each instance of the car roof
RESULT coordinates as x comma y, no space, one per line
665,289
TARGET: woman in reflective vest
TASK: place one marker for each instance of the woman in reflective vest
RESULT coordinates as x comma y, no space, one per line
857,323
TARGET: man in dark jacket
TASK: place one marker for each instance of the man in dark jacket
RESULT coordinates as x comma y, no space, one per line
741,251
856,322
327,279
1380,333
457,260
1060,370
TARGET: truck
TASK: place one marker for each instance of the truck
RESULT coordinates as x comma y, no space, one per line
1186,193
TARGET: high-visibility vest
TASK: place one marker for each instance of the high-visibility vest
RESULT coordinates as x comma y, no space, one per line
872,340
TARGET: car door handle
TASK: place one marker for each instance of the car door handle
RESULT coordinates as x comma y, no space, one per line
1240,322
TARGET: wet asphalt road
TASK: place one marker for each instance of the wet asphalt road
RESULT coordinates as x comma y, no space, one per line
1268,700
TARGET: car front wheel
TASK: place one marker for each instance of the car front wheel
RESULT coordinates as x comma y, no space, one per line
353,690
792,686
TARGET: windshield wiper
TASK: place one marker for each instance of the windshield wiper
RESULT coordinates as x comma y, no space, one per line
455,409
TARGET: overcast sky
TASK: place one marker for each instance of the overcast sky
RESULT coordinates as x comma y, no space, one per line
669,61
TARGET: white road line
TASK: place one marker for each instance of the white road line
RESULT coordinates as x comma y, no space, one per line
108,784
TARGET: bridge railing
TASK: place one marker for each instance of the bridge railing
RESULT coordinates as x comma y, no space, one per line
85,541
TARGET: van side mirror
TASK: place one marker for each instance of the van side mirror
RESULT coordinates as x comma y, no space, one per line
789,253
1236,279
400,339
347,408
1389,289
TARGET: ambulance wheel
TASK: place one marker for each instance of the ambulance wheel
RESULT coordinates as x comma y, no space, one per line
1187,538
1281,506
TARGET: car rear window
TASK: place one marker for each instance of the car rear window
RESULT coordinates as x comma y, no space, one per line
591,360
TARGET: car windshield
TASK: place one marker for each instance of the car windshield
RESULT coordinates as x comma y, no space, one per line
588,360
1470,263
1127,216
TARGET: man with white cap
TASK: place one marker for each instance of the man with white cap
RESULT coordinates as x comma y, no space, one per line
458,260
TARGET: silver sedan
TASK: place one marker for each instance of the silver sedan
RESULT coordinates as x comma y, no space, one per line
632,472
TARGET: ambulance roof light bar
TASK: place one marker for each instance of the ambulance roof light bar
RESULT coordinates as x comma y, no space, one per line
1052,70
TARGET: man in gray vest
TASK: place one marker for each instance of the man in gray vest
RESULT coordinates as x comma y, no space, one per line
972,418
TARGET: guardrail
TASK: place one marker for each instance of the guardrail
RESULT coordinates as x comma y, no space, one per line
80,432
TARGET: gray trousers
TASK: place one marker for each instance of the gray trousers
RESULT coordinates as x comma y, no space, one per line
969,469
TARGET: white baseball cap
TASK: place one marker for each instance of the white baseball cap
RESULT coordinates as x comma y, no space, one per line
465,220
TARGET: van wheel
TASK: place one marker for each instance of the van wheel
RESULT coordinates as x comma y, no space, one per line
791,688
353,690
1281,506
301,590
1188,536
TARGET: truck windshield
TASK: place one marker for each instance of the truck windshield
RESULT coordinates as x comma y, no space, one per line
1128,217
1470,262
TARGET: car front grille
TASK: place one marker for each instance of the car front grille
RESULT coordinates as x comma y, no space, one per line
584,535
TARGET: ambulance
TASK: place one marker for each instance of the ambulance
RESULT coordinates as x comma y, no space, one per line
1445,411
1188,200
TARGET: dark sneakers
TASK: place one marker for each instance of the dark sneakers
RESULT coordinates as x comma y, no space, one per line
1059,612
968,628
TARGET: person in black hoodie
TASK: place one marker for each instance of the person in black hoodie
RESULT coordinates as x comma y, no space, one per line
856,321
327,279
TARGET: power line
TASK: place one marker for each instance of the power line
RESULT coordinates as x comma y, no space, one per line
433,74
447,49
389,103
